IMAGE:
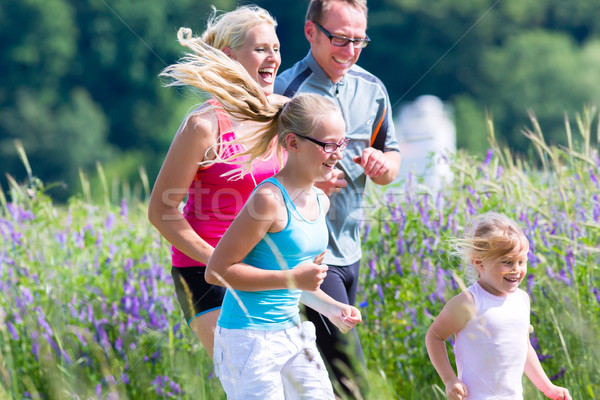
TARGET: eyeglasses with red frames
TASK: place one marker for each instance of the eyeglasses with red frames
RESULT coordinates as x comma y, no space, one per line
328,147
342,41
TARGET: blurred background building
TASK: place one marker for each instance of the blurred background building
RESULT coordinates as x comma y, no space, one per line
427,138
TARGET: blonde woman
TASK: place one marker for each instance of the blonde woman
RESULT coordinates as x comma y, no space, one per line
246,35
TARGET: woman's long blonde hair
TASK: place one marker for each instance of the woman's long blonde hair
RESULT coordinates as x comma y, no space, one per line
211,71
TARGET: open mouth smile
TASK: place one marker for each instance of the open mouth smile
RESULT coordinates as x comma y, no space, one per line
267,74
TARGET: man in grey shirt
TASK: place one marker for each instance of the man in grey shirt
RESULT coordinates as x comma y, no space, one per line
336,30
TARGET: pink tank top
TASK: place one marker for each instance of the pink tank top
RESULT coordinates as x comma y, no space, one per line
214,201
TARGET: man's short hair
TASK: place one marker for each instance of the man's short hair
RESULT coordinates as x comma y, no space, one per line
316,8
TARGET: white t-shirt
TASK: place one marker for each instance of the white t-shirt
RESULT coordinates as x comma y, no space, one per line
492,348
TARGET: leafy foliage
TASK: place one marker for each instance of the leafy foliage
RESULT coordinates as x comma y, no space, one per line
82,77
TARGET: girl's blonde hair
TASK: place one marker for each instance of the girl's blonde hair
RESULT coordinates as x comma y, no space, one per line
211,71
491,236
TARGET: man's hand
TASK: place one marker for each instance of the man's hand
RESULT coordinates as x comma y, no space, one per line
373,161
334,184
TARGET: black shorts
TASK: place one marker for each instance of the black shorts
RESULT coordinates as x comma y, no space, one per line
195,296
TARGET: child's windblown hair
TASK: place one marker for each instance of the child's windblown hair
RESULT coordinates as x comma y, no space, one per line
490,236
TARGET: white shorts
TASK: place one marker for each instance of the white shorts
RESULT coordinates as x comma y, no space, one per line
271,365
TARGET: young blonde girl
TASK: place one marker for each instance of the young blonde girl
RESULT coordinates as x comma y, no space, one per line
490,320
270,257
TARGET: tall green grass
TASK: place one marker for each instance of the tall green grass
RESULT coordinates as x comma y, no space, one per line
88,309
408,267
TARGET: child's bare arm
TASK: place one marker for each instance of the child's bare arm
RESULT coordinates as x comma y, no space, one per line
453,317
535,373
344,316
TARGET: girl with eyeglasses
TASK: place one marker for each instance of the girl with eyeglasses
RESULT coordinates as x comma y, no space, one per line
270,257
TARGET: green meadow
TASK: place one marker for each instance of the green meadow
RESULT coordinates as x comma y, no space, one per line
88,309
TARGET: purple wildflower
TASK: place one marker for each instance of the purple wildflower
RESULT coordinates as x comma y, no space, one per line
472,209
380,291
367,231
597,294
596,209
414,266
488,157
398,266
124,208
499,171
570,261
110,222
78,239
563,277
90,313
119,344
373,268
26,294
593,177
12,330
61,238
80,337
559,375
35,345
400,245
166,387
19,214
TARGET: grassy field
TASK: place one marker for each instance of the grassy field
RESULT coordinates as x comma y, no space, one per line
88,311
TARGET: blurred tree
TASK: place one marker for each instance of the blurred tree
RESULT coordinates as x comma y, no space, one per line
537,70
80,77
60,125
58,139
124,46
471,130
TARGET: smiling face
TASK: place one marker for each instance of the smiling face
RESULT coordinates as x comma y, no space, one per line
259,55
329,128
503,275
340,19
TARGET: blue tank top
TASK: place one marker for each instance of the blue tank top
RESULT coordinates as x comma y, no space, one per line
299,242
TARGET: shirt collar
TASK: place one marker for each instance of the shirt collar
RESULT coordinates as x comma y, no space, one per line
319,73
